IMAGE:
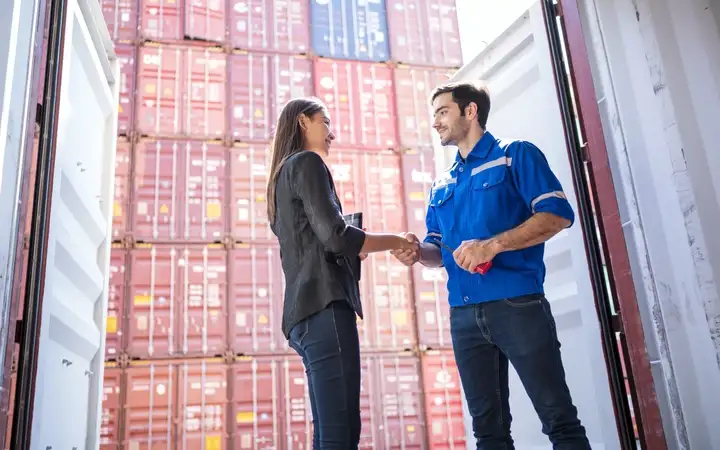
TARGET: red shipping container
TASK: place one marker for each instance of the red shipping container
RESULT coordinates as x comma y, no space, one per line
249,165
122,19
387,297
260,85
110,416
431,305
179,191
177,301
424,32
116,302
443,401
256,299
161,20
257,402
149,413
277,25
205,20
181,91
202,405
360,99
414,86
122,190
390,403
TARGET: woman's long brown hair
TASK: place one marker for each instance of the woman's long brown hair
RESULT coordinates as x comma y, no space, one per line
288,140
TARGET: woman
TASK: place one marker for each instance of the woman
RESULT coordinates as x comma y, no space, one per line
317,249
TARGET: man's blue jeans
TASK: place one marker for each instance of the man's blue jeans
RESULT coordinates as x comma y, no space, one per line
522,331
330,349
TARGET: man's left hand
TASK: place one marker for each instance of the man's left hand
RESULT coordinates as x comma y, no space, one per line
472,253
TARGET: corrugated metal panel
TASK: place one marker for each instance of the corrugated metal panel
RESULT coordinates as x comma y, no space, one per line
177,301
350,29
149,413
179,191
122,190
249,165
256,298
359,97
443,401
181,91
414,86
431,306
161,20
116,303
260,85
110,418
424,32
126,58
277,25
121,17
206,20
202,404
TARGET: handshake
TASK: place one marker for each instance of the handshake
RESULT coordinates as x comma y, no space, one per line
409,251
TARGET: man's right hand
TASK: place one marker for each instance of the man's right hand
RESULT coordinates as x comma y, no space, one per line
408,256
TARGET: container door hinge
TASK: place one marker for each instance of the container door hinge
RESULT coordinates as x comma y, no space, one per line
584,154
557,8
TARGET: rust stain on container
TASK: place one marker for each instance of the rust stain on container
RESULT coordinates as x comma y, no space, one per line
359,97
122,175
177,301
121,17
260,85
424,32
277,25
114,324
150,408
443,401
414,85
202,404
181,91
249,165
256,298
179,191
126,54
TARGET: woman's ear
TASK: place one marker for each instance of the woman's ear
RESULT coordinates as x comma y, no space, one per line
303,122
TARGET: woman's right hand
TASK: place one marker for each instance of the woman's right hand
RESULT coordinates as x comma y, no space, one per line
408,241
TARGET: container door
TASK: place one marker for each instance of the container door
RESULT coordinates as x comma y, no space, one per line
519,73
69,381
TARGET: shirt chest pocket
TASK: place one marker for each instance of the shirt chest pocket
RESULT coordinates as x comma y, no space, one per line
442,200
492,195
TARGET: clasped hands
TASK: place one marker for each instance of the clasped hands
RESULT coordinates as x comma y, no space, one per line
468,255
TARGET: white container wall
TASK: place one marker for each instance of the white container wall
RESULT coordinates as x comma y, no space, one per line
68,391
657,80
518,70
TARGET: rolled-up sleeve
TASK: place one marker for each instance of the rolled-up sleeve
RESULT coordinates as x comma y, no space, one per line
311,182
537,184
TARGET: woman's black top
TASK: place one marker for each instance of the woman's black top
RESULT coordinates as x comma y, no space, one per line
316,245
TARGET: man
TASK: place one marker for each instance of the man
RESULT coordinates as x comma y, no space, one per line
499,202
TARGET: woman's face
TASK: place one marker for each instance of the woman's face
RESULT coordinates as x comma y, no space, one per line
318,136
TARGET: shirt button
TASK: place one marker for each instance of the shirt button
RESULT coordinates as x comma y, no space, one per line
461,169
466,299
439,202
485,185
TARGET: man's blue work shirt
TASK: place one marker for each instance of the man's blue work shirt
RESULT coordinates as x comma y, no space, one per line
498,187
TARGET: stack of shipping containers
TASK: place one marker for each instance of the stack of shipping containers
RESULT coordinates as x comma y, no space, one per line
195,355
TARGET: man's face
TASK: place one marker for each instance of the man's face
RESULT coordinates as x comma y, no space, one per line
449,124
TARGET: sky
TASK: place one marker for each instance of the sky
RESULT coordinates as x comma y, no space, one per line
481,21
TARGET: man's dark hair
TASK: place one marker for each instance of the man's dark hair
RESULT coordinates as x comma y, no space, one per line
464,93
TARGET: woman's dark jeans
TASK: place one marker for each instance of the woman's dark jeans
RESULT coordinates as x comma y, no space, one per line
330,349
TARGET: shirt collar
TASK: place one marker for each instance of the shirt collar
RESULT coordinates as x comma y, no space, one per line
481,149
